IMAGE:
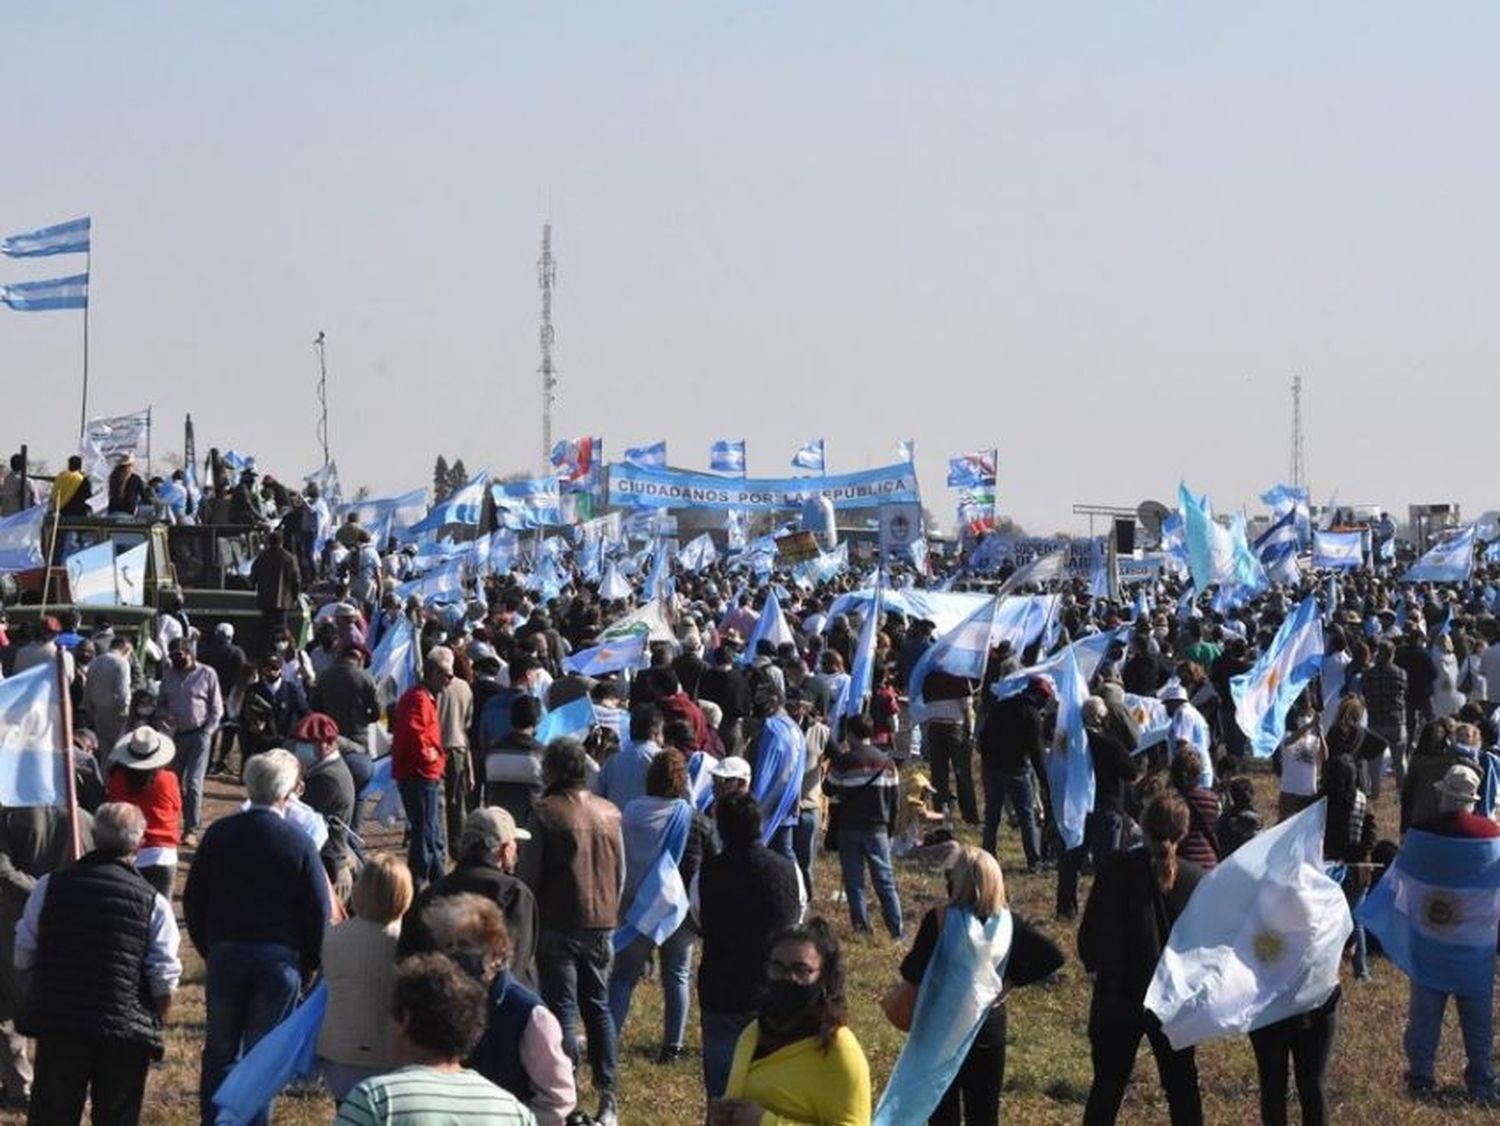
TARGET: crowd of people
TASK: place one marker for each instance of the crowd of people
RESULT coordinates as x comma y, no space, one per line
543,880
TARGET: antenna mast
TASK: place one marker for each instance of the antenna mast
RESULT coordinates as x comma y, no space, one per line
322,397
1299,468
547,277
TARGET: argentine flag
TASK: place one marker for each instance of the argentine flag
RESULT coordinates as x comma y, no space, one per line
698,553
609,656
727,456
653,456
21,540
71,237
1436,910
1264,695
810,456
661,901
1338,551
463,506
1211,548
571,721
1276,548
287,1053
862,674
91,575
614,586
906,450
31,761
1259,941
42,296
1451,561
771,626
394,661
1070,767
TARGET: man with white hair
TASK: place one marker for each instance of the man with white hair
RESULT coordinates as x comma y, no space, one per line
256,904
92,935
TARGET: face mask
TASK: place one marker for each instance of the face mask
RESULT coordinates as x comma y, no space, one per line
783,1001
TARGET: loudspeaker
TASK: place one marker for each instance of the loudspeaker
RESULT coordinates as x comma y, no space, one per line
1124,535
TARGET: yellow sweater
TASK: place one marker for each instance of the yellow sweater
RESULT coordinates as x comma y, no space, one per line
800,1084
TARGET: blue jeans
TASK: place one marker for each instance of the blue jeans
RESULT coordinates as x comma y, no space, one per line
859,848
422,801
191,767
1424,1025
721,1031
676,969
360,769
781,841
573,970
250,988
1354,896
1101,836
998,786
805,845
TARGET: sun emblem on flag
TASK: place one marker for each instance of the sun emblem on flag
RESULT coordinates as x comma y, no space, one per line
1268,946
1440,911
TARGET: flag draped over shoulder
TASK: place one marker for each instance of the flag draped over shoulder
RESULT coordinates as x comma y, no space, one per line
286,1053
777,782
962,981
1436,910
1264,695
661,901
1259,941
31,763
1451,561
1070,767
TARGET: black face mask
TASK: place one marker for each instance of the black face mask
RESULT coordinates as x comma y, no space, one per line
785,1005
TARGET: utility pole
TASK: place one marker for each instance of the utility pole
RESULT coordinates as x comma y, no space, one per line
547,277
318,342
1299,467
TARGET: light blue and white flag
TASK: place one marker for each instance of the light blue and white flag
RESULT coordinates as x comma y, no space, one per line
700,781
1276,548
810,456
388,517
660,904
906,450
658,580
698,553
1151,719
571,721
727,455
1210,546
734,530
1259,941
463,506
972,470
130,576
771,626
444,583
960,986
609,656
1451,561
393,665
1338,551
615,586
780,757
1264,695
527,504
91,575
1282,499
1436,910
43,296
862,672
31,762
653,456
1087,651
71,237
1070,767
285,1054
21,540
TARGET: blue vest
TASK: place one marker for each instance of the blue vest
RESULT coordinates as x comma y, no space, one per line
497,1056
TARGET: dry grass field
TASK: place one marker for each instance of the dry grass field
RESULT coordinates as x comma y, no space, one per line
1047,1071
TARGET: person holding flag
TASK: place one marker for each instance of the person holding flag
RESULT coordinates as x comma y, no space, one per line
968,954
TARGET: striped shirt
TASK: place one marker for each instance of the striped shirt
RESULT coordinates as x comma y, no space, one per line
425,1096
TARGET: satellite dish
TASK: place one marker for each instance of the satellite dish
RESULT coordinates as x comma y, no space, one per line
1151,514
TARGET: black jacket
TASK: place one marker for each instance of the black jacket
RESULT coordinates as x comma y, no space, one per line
477,876
744,897
328,788
1114,768
1012,737
1127,921
89,980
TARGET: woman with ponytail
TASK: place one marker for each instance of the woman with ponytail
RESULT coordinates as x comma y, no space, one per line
1136,897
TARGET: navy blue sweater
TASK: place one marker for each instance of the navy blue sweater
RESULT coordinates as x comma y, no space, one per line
257,878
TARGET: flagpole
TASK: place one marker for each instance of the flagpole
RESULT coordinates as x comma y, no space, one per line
65,710
83,410
51,552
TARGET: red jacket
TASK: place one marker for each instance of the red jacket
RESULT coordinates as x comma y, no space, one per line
160,800
680,707
416,739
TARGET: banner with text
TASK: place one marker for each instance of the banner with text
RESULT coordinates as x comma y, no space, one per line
634,486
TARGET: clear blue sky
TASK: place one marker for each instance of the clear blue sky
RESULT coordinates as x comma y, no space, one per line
1102,237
